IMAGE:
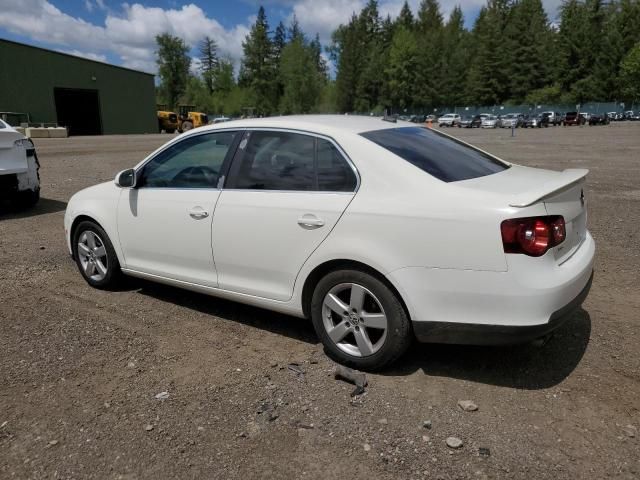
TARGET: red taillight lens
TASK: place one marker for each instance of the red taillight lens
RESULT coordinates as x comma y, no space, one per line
532,235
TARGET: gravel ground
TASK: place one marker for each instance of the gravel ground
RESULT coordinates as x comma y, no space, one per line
81,368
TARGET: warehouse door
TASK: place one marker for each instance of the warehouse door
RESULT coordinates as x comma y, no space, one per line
78,110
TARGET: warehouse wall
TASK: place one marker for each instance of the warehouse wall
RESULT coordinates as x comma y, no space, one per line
28,76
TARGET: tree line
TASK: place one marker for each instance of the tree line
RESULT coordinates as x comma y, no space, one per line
512,54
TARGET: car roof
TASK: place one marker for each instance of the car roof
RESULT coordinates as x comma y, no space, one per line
321,124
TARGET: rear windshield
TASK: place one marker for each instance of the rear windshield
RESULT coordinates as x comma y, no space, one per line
440,156
2,124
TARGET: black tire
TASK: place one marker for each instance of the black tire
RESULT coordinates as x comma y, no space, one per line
29,198
113,274
399,334
170,130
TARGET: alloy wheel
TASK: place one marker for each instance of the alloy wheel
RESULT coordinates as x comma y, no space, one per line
92,254
354,319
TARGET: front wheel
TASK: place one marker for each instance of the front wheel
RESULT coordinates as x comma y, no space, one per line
95,257
360,320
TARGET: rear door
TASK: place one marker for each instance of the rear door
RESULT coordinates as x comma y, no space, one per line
284,195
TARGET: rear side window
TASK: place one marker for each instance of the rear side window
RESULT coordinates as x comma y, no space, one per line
442,157
274,160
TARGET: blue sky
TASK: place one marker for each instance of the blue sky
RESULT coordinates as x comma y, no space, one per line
123,32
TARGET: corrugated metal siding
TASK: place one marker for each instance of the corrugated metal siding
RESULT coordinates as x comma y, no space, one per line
28,76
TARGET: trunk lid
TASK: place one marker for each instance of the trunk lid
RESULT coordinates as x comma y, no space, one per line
571,204
561,193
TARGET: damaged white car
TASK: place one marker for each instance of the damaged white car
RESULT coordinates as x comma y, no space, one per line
19,167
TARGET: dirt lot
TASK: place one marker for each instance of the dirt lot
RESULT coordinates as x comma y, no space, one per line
80,368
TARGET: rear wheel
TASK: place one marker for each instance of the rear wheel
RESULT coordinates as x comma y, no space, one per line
95,257
360,320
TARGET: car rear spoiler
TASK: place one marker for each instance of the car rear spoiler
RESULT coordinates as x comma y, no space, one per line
563,180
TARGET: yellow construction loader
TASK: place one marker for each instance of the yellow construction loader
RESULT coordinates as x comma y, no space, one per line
189,119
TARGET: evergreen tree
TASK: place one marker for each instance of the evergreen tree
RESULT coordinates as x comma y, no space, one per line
345,51
405,17
528,36
455,60
173,67
488,79
279,40
208,60
402,69
318,59
371,71
430,19
630,75
223,80
429,39
258,71
300,77
295,32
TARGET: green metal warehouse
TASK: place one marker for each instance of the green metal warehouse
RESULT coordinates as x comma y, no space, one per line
87,97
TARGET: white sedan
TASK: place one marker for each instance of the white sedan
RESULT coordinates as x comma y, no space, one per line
378,231
19,177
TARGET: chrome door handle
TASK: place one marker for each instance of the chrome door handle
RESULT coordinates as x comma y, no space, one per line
309,220
198,213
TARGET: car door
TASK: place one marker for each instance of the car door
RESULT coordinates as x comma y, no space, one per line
284,194
164,224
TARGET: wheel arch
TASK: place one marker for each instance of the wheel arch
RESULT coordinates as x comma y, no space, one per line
81,217
324,268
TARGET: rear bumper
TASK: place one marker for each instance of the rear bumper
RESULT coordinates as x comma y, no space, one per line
530,297
477,334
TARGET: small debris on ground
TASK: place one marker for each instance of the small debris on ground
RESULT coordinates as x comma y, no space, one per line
454,442
162,395
630,431
382,421
148,428
359,379
484,452
367,447
52,443
467,405
427,424
295,368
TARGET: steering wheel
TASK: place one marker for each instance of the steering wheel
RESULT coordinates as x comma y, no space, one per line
198,174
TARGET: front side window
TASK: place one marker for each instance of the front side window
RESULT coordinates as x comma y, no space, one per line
440,156
273,160
194,162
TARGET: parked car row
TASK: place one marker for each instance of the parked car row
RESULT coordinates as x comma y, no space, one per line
629,115
520,120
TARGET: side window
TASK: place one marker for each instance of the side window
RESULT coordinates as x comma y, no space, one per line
195,162
277,161
334,173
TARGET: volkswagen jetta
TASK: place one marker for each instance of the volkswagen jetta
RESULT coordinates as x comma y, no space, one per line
378,231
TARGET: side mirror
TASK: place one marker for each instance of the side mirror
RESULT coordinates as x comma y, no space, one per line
126,178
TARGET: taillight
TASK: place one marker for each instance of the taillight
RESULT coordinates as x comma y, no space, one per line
532,235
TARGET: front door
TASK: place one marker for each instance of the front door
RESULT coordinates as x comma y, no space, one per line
164,224
284,195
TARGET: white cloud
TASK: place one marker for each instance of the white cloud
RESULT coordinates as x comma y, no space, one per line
91,56
130,35
88,5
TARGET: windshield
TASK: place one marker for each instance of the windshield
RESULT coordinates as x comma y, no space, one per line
439,155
